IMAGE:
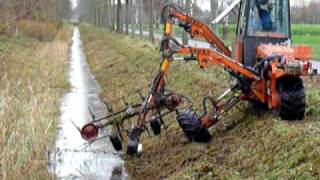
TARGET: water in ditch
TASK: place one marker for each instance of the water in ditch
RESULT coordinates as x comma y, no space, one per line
72,158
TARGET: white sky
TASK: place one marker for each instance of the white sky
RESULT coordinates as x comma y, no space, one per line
74,3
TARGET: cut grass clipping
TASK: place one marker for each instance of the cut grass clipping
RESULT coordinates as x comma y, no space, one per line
32,80
243,145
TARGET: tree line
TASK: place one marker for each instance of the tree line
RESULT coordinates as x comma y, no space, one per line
133,16
129,16
13,11
307,13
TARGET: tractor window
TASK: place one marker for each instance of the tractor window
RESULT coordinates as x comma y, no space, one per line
269,17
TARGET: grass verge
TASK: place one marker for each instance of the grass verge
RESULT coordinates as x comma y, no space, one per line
33,79
244,145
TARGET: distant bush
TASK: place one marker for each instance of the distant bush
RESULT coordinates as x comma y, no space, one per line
230,30
3,29
4,25
43,31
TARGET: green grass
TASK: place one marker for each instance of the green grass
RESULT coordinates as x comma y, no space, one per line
305,29
4,44
243,146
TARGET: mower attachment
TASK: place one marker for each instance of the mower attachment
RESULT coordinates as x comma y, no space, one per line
164,104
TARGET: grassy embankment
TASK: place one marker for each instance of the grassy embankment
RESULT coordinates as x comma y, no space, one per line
33,79
243,145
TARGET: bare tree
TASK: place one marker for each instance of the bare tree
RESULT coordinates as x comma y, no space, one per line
127,17
119,8
187,10
151,21
140,18
109,14
98,7
133,16
214,8
113,14
225,22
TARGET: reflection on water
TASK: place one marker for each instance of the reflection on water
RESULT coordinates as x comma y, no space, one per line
72,157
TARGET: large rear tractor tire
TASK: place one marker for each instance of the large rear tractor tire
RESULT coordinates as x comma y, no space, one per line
190,124
292,99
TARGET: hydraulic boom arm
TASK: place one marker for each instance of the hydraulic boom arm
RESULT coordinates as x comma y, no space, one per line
196,28
205,56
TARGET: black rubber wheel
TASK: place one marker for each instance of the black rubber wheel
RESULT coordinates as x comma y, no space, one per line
116,141
132,149
156,126
190,124
133,141
292,99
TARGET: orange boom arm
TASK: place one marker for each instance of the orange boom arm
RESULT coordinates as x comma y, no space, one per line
197,29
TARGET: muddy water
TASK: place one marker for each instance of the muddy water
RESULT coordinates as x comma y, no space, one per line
72,157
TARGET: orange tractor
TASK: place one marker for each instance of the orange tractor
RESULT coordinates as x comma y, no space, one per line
266,67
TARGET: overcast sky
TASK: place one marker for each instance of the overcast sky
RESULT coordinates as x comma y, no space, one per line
205,4
73,3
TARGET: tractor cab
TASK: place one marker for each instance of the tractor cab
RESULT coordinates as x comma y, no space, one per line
261,22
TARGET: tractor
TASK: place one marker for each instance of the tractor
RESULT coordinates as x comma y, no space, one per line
266,67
